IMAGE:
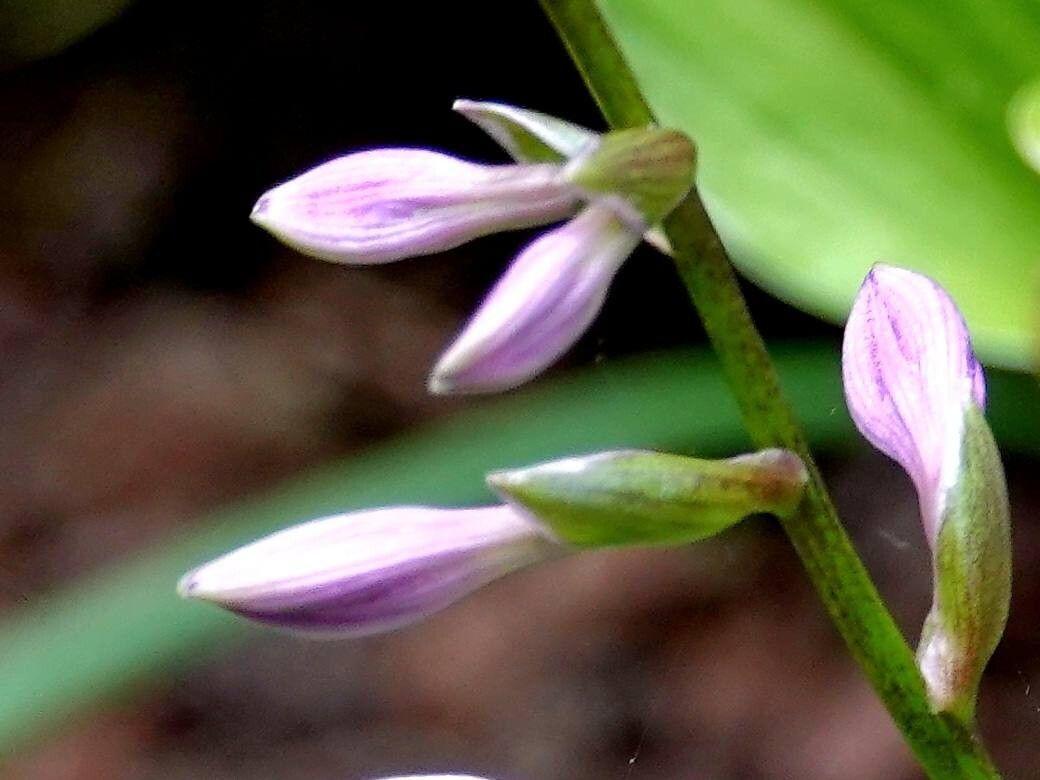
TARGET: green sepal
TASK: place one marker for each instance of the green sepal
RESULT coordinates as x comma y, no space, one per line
647,171
528,136
634,497
533,137
972,576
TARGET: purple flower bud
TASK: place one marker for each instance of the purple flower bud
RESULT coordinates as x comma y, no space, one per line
388,204
917,393
540,307
910,375
370,571
436,777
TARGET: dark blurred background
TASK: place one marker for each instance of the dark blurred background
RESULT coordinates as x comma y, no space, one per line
162,357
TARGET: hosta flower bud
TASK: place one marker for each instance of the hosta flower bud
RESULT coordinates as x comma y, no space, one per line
635,497
387,204
916,391
369,571
436,777
540,307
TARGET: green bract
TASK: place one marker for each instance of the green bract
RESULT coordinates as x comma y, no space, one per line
528,136
648,170
638,497
972,569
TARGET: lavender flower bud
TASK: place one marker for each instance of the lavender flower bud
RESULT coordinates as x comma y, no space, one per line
540,307
910,375
369,571
388,204
633,497
916,391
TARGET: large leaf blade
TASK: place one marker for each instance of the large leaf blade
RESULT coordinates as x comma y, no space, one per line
839,133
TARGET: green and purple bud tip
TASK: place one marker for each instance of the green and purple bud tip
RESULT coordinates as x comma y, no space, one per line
916,391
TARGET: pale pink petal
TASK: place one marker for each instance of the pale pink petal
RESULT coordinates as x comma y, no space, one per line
909,373
369,571
388,204
540,307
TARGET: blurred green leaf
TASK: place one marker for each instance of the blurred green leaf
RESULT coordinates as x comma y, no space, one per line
98,638
1024,123
31,29
837,133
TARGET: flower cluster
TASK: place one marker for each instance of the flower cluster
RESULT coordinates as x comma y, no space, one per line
912,382
388,204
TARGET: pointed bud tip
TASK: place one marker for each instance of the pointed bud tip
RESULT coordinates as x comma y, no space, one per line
449,377
197,586
259,214
187,586
505,481
439,383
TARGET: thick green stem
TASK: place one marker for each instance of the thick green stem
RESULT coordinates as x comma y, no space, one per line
944,748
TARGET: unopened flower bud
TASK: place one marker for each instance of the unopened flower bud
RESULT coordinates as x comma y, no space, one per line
388,204
540,307
636,497
917,392
369,571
